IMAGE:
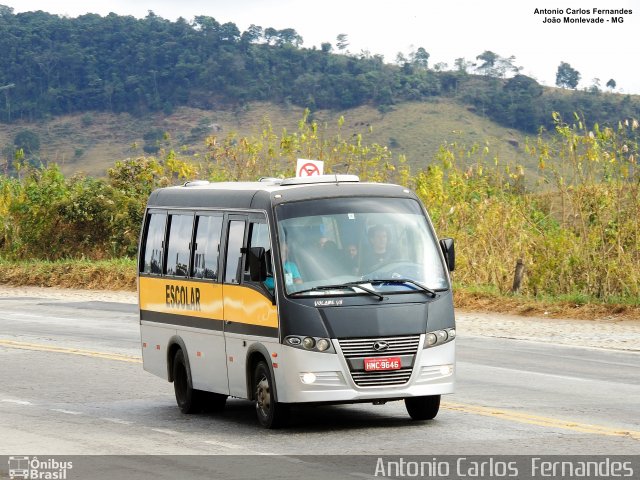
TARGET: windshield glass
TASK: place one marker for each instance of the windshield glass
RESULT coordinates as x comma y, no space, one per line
373,242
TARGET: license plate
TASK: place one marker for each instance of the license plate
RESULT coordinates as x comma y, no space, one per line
382,363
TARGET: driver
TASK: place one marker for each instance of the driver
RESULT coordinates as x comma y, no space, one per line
380,252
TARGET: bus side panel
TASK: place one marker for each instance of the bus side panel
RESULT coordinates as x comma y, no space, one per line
248,314
155,341
207,360
192,310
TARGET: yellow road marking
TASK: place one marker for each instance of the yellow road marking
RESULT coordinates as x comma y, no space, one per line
71,351
520,417
531,419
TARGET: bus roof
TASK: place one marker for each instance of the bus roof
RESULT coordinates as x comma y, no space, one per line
269,191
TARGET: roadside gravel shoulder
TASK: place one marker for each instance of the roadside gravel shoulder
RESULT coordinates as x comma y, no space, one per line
608,333
69,294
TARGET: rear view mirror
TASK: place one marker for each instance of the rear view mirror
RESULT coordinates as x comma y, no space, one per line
257,264
449,251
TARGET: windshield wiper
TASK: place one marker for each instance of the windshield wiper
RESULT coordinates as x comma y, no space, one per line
353,285
405,280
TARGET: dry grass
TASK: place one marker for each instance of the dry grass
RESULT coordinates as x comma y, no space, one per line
79,274
120,275
550,308
92,142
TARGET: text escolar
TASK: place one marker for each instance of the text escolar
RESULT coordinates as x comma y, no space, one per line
186,298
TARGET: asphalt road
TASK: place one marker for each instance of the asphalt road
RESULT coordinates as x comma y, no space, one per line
72,384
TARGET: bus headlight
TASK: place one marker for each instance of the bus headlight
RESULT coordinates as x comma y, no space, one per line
439,337
313,344
308,343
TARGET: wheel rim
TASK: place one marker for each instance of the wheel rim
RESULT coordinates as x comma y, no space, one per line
263,397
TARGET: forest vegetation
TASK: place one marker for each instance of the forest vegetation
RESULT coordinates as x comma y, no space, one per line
53,65
578,233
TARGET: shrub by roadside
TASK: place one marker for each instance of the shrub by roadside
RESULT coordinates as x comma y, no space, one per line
574,229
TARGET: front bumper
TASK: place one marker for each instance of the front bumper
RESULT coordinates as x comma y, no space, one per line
433,373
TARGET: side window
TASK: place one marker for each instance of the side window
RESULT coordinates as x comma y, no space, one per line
154,243
178,245
207,247
235,240
258,237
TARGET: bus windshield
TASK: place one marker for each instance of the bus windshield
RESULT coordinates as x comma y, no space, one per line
367,245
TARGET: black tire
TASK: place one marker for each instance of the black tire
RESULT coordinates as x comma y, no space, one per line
423,408
270,413
188,399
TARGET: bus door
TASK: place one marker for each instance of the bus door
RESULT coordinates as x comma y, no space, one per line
250,313
205,347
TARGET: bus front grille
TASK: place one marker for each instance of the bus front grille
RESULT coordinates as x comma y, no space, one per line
355,350
382,378
365,347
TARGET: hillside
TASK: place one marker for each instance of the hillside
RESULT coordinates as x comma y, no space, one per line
52,66
91,142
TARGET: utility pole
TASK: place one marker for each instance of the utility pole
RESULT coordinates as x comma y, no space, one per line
6,96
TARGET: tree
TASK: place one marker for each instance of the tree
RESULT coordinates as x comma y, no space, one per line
420,58
611,84
289,36
489,62
462,65
566,76
342,41
253,34
504,65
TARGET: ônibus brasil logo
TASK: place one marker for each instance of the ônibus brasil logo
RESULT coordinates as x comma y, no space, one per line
33,468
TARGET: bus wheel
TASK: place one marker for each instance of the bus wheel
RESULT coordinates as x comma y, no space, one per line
271,414
188,399
423,408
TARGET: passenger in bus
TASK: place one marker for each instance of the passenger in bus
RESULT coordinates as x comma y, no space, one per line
352,259
291,272
380,252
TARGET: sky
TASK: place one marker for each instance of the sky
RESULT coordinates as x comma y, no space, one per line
447,29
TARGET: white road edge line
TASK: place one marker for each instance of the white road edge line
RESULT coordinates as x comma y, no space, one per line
17,402
62,410
223,444
116,420
165,431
